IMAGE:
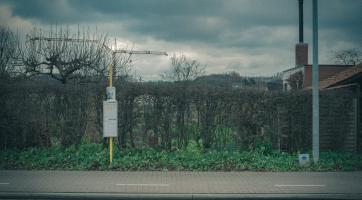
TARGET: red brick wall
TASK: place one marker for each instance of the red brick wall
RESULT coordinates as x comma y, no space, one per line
325,71
301,54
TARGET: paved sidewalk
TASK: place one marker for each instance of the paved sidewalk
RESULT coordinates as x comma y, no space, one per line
111,184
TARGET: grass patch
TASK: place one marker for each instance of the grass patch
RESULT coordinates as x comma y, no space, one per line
94,157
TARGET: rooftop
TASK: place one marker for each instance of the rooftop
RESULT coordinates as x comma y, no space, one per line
345,74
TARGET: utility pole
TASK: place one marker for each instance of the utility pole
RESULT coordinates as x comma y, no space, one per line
315,84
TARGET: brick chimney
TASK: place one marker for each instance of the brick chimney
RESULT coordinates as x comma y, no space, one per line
301,54
301,49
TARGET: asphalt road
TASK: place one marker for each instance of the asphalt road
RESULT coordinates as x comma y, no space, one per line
180,185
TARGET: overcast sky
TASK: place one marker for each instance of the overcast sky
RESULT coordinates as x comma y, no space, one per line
252,37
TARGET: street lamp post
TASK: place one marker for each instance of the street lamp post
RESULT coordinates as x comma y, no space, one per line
315,85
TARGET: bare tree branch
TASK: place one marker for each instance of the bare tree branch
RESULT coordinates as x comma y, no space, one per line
347,57
65,55
122,63
9,41
183,69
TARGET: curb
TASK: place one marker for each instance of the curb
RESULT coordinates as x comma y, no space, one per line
106,196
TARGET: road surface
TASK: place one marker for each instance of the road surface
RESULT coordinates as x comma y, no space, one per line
180,185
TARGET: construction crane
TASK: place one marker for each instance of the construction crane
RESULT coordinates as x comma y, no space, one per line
113,52
141,52
131,52
59,39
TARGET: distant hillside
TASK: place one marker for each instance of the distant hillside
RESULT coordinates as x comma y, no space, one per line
233,80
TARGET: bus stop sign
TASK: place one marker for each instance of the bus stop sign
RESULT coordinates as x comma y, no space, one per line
110,119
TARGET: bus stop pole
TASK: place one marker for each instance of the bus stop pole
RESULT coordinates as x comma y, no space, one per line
110,138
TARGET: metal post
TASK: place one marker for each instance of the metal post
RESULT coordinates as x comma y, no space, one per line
114,67
110,75
358,115
110,139
315,83
301,40
110,150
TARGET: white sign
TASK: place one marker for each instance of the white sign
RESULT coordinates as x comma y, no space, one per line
110,119
111,93
303,159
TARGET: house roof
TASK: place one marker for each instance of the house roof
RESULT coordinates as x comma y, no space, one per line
319,65
290,69
339,77
329,65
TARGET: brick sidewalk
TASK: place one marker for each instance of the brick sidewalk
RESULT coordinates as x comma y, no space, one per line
249,183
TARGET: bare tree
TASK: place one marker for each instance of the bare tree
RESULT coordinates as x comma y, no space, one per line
347,57
122,63
65,55
183,69
9,41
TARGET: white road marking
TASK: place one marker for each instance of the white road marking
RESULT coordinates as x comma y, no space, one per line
4,183
140,184
299,185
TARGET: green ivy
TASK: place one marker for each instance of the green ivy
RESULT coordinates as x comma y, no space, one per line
94,157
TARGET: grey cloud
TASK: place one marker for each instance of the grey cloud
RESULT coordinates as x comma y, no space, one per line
45,11
187,20
255,27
